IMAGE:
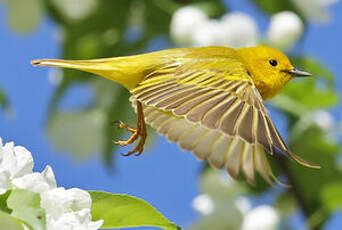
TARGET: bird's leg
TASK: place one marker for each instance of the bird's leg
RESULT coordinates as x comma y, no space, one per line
140,131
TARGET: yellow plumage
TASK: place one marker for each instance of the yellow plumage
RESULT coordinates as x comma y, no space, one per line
208,100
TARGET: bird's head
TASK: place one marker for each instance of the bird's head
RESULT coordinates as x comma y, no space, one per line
270,69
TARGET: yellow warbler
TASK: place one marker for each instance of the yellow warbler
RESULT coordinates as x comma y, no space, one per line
209,100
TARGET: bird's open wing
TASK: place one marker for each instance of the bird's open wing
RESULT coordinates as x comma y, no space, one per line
213,108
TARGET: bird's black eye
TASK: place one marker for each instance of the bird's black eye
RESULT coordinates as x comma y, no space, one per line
273,62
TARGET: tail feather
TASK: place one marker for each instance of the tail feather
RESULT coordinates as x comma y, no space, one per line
128,71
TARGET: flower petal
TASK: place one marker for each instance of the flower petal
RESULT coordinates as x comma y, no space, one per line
4,181
36,182
74,220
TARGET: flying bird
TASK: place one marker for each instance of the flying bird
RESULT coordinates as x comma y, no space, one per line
209,100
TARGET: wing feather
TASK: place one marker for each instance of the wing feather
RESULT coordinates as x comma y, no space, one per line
181,101
155,88
196,114
229,119
247,163
262,133
189,139
166,126
232,163
245,128
216,113
186,107
156,97
262,165
205,145
218,152
212,118
219,149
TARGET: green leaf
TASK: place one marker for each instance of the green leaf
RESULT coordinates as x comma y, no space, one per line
331,196
9,222
3,202
25,205
123,211
23,15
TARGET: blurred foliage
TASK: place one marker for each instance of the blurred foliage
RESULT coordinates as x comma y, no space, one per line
319,91
107,28
271,6
223,193
3,100
30,14
331,196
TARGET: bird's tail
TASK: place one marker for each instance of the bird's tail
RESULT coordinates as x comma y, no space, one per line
128,71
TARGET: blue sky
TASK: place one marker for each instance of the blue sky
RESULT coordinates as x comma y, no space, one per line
163,175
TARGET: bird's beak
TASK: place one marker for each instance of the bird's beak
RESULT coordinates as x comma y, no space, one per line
299,73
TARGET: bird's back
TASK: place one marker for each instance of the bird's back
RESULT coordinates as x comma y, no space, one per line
206,59
131,70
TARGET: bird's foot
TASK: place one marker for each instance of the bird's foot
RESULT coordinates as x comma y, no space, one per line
140,131
132,138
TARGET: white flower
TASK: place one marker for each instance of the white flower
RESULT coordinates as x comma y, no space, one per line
285,29
184,22
36,182
76,9
315,10
243,205
240,30
263,217
323,119
209,33
68,209
203,204
80,220
59,201
234,30
64,209
15,161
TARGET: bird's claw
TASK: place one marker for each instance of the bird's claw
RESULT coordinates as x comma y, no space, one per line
120,124
140,131
137,152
